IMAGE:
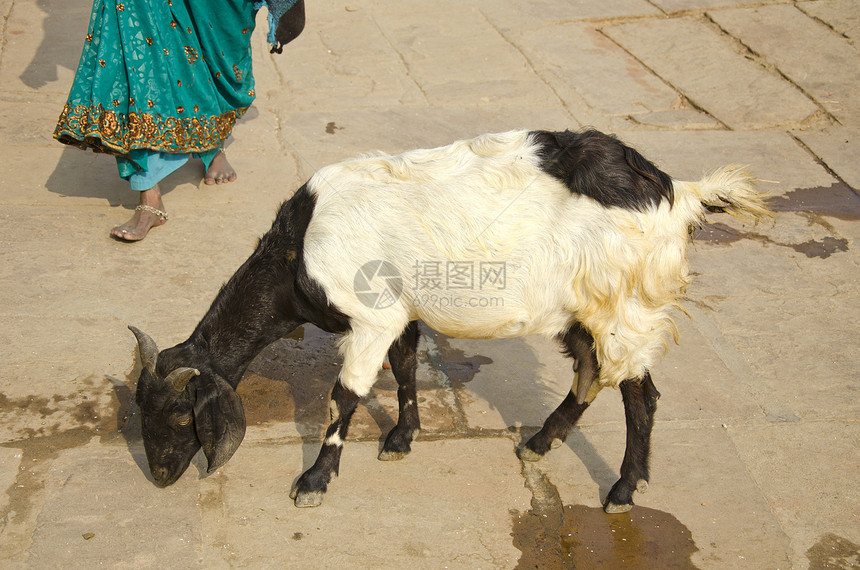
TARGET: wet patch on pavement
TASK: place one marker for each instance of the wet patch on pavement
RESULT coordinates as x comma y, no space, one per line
84,409
837,201
552,535
815,204
723,234
833,552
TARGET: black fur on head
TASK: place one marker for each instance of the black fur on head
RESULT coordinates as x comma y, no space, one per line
601,167
184,409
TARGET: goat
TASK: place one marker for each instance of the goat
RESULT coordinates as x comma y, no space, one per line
592,238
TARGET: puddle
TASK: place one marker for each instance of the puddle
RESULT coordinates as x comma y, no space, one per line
90,408
718,233
837,201
823,249
833,552
815,204
551,535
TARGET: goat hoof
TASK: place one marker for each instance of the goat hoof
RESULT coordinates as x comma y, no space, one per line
642,485
556,443
386,455
612,508
308,499
527,454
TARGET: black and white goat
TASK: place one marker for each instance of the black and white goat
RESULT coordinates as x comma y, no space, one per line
593,240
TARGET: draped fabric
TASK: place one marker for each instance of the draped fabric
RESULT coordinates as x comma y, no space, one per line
164,75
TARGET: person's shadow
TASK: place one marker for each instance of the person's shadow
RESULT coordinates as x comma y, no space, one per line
64,29
88,174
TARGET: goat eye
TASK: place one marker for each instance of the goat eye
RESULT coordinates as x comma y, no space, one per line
183,421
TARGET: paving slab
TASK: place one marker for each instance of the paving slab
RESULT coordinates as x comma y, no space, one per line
769,328
841,15
815,506
813,56
837,147
527,15
448,75
447,504
347,63
699,502
774,157
579,58
755,445
708,69
319,138
682,6
41,49
100,509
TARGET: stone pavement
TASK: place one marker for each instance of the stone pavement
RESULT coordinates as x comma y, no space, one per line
755,458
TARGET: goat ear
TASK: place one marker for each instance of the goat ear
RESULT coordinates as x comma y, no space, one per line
147,349
219,419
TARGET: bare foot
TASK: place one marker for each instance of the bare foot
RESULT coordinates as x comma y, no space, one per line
219,171
149,214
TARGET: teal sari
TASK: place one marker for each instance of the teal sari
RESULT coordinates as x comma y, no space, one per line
160,75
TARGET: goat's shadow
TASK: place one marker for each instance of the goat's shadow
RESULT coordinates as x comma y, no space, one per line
289,383
506,395
128,421
86,174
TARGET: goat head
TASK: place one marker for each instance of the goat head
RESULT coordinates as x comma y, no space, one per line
184,408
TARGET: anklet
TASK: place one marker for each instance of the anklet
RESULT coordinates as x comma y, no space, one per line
151,210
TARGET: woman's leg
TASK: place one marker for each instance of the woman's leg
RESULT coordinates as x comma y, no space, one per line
144,170
148,214
219,170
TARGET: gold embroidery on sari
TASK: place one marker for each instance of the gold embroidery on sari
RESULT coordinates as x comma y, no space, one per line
104,130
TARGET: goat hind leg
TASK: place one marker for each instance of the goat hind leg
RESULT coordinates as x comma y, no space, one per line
640,401
578,344
404,361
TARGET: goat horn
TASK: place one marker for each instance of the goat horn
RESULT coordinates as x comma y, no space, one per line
180,377
147,349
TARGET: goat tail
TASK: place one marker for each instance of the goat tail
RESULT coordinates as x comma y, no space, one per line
730,189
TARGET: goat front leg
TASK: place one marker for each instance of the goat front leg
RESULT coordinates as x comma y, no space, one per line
313,483
363,351
578,344
640,402
403,357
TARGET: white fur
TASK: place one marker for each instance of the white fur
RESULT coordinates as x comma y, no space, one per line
567,258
